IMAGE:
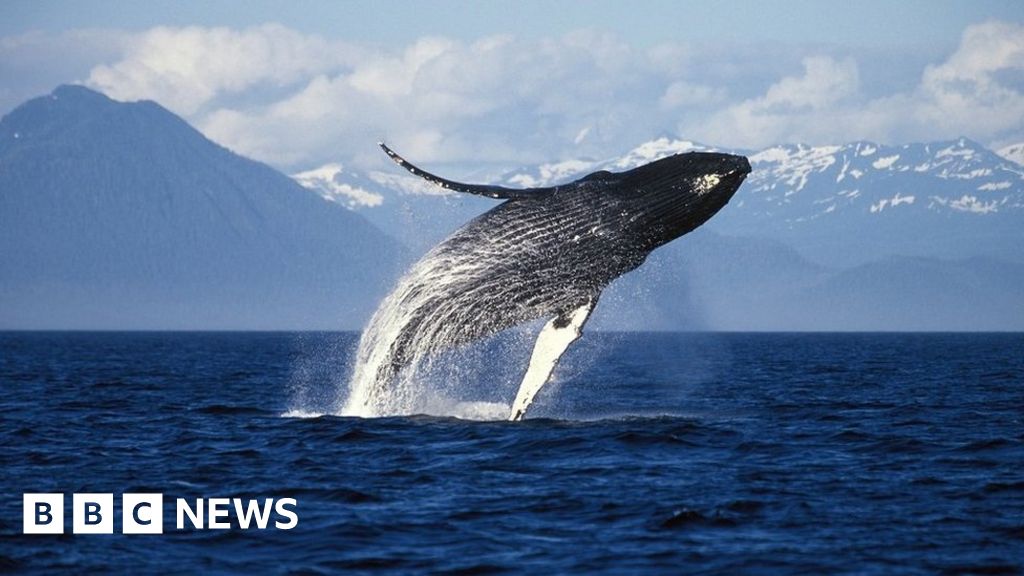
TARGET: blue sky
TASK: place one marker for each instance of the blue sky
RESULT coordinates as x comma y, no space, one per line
872,22
303,83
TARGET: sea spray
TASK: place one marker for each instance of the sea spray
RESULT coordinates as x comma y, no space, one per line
414,355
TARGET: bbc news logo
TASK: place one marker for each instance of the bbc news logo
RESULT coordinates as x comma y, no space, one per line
144,513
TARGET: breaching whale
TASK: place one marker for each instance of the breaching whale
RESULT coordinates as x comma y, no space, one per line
542,253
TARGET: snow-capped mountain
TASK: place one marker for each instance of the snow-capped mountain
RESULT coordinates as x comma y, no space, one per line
1013,153
328,182
793,183
842,195
854,203
406,207
854,236
121,215
796,183
565,171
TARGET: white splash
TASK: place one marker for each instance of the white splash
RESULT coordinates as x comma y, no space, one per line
426,346
302,414
407,341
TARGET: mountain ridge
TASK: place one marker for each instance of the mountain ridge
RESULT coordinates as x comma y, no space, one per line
122,216
782,253
130,217
795,191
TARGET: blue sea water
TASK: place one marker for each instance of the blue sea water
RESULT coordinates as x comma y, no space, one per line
663,453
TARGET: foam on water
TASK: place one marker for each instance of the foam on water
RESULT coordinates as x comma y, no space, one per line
302,414
474,410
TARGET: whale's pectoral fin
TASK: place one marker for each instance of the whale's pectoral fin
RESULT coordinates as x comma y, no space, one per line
553,341
498,192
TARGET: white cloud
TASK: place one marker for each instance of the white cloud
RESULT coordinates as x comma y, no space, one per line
794,108
824,83
299,100
978,90
680,94
185,68
438,99
975,92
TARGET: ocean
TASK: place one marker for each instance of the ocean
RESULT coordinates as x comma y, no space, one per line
649,453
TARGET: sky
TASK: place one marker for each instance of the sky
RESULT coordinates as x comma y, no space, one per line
303,83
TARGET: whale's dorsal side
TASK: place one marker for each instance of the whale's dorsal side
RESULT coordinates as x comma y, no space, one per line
497,192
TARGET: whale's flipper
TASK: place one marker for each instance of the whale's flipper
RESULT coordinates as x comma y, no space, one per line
554,339
498,192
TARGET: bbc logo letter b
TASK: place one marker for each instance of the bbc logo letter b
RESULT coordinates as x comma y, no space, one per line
43,514
93,513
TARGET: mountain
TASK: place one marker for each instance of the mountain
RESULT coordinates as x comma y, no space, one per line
1013,153
845,204
851,203
120,215
410,209
857,202
919,294
856,236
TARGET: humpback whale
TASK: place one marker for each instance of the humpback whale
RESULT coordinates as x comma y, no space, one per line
543,253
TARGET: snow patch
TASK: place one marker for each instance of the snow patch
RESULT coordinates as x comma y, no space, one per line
956,151
968,203
885,163
995,186
774,154
891,202
564,170
654,150
325,181
1013,153
792,164
842,173
549,174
